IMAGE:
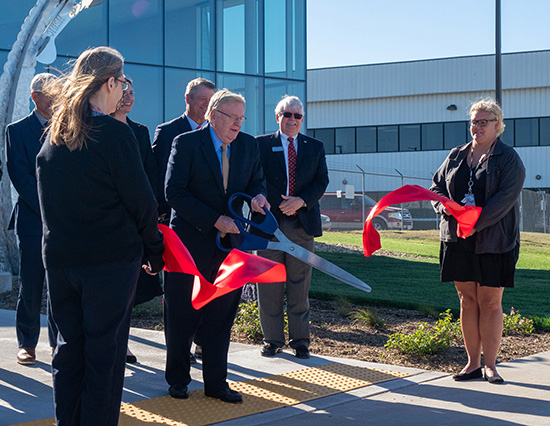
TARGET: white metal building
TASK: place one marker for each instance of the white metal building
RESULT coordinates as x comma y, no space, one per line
406,116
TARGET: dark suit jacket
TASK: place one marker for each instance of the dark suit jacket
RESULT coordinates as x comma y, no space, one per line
23,142
311,177
165,134
194,187
149,163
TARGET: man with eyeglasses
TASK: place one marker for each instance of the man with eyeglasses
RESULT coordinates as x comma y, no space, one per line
296,173
205,168
24,139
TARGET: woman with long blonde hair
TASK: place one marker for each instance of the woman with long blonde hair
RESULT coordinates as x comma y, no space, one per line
99,218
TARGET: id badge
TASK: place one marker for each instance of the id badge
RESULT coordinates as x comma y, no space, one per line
469,200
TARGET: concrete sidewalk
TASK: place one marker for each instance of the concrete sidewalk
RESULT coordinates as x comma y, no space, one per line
423,398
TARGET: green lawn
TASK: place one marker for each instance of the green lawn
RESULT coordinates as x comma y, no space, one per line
414,282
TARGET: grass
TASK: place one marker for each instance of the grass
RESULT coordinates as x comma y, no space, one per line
413,283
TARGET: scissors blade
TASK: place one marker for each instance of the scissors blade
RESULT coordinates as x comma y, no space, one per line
319,263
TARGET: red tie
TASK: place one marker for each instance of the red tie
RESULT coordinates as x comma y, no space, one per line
291,166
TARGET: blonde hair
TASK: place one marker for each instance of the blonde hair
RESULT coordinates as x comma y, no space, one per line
222,97
69,124
492,107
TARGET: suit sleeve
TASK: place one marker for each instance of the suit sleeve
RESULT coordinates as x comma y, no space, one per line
315,190
162,145
133,187
182,172
149,162
22,168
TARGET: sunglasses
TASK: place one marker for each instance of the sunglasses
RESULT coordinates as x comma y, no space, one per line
480,123
296,115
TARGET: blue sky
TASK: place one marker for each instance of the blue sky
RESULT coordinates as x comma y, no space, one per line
353,32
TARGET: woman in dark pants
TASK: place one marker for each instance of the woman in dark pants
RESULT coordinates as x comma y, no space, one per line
100,218
489,174
148,286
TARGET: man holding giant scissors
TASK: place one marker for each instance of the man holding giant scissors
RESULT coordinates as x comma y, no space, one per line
205,167
297,176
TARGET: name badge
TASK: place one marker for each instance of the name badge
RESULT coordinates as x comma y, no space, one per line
277,149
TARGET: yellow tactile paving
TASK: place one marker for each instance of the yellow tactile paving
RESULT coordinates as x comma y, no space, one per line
259,395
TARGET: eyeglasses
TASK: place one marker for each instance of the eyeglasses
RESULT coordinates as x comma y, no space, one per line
480,123
289,114
232,117
124,83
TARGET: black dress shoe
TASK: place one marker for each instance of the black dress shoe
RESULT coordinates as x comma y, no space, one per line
495,380
302,352
178,391
227,395
131,359
192,358
270,349
198,351
476,374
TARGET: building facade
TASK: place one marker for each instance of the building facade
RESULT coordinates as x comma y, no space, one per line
253,47
397,122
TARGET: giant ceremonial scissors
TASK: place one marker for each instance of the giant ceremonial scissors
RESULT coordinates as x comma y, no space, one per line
269,227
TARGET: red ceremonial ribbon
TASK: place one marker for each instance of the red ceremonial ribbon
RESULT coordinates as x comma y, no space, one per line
237,269
466,216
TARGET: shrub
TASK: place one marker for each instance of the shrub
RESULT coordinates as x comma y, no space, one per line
427,339
515,323
248,320
367,317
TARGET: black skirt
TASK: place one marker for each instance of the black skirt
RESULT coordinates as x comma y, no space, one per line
459,262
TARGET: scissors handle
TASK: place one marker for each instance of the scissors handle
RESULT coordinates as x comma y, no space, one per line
245,240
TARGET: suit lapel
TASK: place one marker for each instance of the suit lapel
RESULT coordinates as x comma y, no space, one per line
183,125
36,127
276,142
207,147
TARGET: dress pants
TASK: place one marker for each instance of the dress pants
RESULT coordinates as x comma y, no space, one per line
181,321
91,307
29,302
271,296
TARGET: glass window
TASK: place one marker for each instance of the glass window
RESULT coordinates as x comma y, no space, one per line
327,137
12,17
456,134
88,29
366,139
527,132
432,136
285,38
252,90
545,131
274,91
174,89
387,139
508,136
189,31
135,29
409,137
345,141
239,30
148,92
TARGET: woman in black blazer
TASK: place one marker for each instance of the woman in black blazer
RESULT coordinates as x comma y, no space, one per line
148,286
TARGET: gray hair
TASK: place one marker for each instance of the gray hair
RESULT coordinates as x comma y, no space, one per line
288,102
222,97
39,80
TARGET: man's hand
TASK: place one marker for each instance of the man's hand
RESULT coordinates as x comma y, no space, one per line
291,205
226,225
258,202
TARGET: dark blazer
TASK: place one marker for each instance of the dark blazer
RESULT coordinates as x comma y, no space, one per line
194,186
165,134
311,177
23,142
149,163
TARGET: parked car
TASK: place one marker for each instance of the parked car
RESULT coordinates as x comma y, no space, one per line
347,213
325,222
